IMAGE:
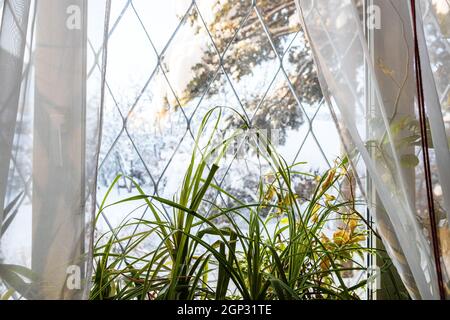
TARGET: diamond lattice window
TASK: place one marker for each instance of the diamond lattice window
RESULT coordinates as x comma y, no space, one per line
170,63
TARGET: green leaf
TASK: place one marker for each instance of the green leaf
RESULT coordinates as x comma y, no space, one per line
409,160
14,275
10,213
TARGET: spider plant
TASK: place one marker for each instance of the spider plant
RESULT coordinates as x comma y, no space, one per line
296,260
285,255
174,270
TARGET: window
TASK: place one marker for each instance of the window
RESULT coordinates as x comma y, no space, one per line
185,58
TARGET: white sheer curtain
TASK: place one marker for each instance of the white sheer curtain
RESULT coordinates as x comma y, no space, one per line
366,69
51,84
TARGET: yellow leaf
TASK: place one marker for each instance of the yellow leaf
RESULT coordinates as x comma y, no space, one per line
357,239
324,239
316,208
329,179
341,237
271,192
329,198
353,221
325,263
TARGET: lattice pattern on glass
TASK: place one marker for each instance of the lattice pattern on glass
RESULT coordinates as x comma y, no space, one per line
171,63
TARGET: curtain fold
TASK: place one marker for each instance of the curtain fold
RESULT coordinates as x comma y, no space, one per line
435,52
13,38
367,73
51,108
